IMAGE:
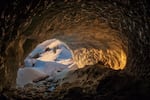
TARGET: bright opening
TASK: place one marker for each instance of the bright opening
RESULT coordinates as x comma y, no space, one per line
54,59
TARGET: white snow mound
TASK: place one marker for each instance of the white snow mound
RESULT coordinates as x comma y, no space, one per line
51,57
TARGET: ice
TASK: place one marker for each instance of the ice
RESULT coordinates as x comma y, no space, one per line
50,68
65,61
65,54
27,75
51,57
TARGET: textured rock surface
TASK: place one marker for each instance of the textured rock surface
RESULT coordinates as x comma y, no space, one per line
116,24
91,82
115,59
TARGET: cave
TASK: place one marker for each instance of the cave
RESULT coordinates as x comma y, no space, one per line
109,42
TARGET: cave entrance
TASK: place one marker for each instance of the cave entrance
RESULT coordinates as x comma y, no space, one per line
48,59
53,58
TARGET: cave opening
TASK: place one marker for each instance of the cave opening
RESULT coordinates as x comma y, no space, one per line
52,56
108,41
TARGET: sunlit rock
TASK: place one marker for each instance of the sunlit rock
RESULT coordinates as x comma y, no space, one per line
112,58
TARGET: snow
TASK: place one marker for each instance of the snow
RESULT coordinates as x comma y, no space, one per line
27,75
51,57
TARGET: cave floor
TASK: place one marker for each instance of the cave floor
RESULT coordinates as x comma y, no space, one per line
92,82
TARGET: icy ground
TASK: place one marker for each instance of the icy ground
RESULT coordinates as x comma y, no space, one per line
51,58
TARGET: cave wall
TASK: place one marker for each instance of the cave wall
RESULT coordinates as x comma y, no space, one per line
24,24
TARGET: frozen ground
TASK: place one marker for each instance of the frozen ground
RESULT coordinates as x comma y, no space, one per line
51,58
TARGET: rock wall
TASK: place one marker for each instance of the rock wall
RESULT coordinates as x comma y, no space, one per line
113,24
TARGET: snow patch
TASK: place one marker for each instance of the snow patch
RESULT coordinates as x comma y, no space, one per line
51,57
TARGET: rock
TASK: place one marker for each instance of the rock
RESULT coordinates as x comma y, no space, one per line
3,97
74,92
40,79
29,85
51,89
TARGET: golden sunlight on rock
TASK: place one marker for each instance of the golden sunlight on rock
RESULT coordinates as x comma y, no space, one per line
75,50
115,59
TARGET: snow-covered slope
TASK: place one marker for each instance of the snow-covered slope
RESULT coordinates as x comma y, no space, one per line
49,50
28,75
48,58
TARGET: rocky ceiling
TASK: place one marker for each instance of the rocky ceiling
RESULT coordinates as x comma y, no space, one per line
118,28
